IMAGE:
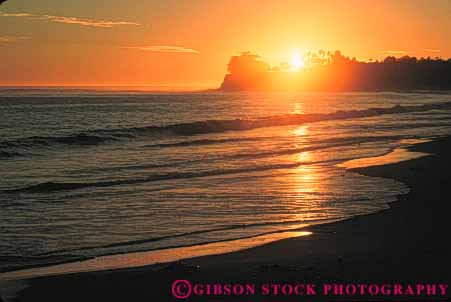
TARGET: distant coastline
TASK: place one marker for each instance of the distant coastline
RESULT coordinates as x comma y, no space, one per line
326,71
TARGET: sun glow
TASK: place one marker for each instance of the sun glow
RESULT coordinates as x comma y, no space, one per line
297,62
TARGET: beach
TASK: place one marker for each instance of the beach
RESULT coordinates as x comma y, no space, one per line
406,243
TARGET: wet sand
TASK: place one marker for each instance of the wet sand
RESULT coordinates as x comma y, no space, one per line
407,243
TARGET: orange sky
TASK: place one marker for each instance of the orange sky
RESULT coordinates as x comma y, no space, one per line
187,44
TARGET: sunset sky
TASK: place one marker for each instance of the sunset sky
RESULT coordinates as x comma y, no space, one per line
187,44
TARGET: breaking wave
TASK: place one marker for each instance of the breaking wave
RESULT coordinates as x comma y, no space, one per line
94,137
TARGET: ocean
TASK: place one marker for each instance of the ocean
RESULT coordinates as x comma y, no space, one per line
86,172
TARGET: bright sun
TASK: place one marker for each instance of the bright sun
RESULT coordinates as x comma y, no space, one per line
297,62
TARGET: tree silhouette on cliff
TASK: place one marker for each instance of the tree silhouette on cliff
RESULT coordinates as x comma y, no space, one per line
332,71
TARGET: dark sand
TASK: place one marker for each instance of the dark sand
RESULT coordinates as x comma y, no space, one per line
407,243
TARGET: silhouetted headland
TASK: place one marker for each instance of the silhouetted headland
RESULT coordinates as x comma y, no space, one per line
326,71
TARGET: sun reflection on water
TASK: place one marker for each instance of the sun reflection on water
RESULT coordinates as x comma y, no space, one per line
301,131
298,108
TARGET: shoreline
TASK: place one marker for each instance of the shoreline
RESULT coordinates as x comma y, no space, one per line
154,258
94,263
370,241
296,226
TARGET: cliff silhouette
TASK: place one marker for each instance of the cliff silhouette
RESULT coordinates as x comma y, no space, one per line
327,71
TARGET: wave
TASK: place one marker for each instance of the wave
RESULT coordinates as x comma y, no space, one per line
201,142
206,231
332,143
93,137
12,263
9,154
49,187
212,126
53,257
39,141
317,144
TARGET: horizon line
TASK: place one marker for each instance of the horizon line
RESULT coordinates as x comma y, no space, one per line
120,87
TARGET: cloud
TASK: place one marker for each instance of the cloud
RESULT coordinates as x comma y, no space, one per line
16,15
395,52
11,39
431,50
86,22
70,20
164,48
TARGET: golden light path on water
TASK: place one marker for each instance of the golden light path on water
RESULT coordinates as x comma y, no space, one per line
307,178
